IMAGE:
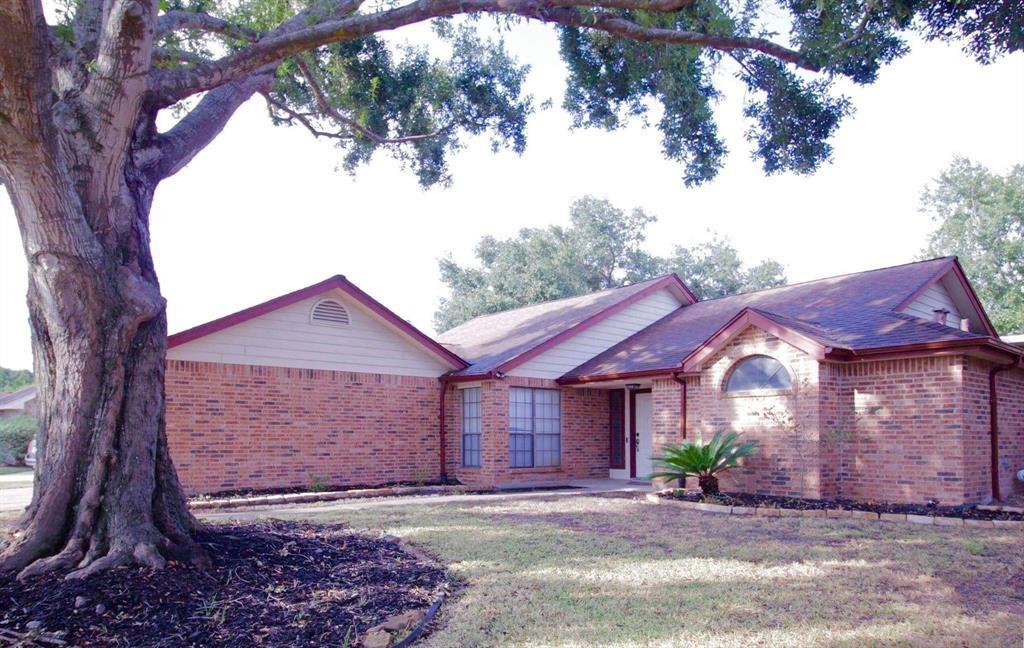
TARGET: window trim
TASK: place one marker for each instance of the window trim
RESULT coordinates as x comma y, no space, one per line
763,391
533,434
479,418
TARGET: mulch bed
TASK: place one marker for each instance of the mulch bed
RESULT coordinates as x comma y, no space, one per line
273,583
770,501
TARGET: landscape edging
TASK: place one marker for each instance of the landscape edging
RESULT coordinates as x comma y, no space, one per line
328,496
764,511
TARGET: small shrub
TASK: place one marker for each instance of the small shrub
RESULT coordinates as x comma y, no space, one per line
317,483
15,434
703,460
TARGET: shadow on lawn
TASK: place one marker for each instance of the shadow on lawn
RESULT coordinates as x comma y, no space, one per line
599,571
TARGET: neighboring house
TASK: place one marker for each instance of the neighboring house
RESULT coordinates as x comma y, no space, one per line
889,384
19,402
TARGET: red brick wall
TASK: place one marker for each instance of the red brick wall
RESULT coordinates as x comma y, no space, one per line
977,441
899,430
903,441
788,460
245,427
584,435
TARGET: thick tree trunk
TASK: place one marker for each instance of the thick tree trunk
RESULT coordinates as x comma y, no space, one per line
106,492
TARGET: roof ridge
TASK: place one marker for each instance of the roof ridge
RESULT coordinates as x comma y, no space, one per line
838,276
560,299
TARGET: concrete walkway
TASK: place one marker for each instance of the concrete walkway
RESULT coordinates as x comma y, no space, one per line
581,487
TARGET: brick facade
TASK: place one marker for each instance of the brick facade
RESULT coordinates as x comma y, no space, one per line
233,427
897,430
904,430
584,435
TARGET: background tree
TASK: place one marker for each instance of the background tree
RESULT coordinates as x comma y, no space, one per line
601,248
980,217
81,156
14,379
714,269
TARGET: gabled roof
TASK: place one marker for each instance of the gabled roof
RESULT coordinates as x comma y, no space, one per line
337,282
854,314
501,341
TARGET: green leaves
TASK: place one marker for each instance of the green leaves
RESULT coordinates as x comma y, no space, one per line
418,107
699,459
792,119
980,218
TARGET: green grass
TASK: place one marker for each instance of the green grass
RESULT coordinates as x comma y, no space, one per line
605,571
23,474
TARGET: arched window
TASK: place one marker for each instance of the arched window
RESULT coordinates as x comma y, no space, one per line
758,372
329,312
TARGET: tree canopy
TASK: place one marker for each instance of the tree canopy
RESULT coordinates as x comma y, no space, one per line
14,379
602,247
980,218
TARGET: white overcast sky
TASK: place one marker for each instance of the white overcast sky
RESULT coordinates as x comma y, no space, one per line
264,211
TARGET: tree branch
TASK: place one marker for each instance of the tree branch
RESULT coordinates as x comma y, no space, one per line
204,122
173,21
327,110
278,46
25,77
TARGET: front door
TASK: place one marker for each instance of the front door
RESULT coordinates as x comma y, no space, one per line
641,446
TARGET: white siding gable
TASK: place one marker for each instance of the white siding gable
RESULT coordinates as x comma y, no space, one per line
287,338
936,297
615,328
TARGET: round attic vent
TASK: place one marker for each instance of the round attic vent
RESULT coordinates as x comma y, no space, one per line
329,312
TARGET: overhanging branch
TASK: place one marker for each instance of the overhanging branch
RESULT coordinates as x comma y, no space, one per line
177,85
173,21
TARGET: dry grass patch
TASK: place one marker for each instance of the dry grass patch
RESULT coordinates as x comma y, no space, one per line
609,571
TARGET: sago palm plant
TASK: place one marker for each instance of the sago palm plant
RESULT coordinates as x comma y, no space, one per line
703,460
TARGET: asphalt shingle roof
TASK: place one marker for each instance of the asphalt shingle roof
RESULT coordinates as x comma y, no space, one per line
489,341
854,311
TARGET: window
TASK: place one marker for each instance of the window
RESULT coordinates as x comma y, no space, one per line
535,427
328,312
758,372
471,427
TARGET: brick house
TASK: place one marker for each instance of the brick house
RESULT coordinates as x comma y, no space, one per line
889,384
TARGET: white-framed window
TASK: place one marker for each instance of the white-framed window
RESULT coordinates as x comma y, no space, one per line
535,427
329,312
470,427
758,372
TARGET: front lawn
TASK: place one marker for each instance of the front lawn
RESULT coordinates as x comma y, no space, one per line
15,477
612,571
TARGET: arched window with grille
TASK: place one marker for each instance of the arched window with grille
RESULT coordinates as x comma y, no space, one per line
757,373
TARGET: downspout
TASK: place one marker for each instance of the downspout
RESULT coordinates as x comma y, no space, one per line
441,422
993,411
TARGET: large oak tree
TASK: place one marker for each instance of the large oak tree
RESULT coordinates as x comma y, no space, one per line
81,156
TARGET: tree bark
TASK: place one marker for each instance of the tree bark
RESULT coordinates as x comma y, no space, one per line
106,492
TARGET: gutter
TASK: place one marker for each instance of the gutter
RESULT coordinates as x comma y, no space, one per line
993,411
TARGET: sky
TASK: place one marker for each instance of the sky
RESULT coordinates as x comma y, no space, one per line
264,210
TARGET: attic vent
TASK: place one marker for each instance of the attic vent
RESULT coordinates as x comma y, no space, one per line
328,312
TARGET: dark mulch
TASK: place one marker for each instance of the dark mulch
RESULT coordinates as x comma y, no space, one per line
273,584
771,501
